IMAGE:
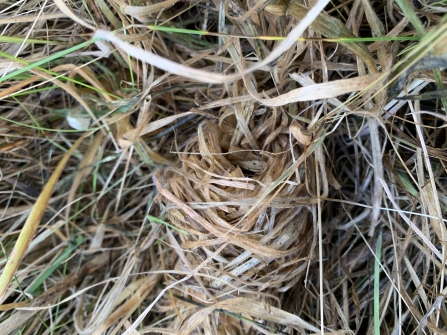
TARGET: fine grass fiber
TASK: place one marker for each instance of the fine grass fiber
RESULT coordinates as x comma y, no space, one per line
223,167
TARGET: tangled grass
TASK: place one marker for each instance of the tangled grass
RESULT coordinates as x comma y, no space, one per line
222,167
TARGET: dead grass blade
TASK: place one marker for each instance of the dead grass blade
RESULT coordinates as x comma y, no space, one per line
140,12
126,309
246,309
259,310
376,151
327,90
153,126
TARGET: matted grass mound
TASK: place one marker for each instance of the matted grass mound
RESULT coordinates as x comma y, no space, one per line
222,196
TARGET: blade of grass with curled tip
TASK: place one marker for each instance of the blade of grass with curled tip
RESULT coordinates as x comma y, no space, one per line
210,77
31,224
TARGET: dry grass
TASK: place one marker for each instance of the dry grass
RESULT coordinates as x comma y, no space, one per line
222,167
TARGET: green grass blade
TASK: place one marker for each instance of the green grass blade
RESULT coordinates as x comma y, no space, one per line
280,38
153,219
16,74
411,15
46,129
67,253
46,60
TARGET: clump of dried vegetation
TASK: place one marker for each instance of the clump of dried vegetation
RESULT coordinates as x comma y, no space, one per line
222,167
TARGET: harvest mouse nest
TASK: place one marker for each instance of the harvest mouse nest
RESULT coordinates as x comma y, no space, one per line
246,215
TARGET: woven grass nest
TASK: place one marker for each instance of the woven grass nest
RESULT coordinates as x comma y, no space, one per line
245,229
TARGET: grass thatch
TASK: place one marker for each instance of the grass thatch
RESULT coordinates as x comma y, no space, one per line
222,167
